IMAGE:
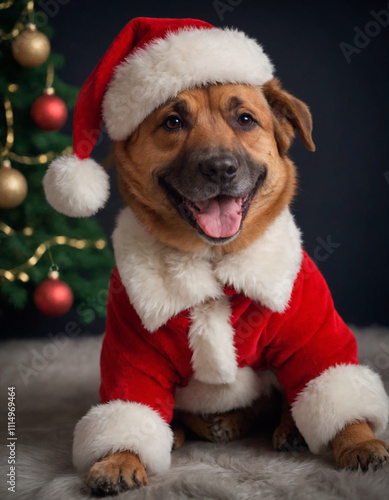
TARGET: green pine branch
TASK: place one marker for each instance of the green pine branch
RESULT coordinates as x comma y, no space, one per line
86,271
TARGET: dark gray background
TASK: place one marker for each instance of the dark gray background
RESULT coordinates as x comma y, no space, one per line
344,193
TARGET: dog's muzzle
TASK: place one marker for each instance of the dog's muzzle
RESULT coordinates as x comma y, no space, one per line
220,169
212,191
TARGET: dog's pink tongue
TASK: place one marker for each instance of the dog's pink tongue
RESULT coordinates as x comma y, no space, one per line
220,217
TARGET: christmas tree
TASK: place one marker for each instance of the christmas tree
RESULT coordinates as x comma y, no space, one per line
45,258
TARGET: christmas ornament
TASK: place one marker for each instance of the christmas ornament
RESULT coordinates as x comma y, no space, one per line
53,297
13,186
49,111
31,48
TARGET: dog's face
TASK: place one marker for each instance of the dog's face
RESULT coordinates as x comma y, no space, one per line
210,167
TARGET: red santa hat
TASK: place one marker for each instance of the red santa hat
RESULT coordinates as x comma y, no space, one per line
148,63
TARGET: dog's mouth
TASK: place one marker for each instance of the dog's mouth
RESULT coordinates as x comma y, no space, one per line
218,219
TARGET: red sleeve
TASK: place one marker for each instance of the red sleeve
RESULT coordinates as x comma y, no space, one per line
134,366
310,336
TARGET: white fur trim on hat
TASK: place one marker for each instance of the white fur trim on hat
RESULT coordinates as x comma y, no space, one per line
341,395
74,187
119,426
183,60
198,397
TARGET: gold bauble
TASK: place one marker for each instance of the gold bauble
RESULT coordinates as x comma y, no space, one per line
31,48
13,187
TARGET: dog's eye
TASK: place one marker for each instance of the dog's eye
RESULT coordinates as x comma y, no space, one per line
172,122
245,120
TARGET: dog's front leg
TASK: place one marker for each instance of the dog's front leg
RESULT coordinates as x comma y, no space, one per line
286,436
356,446
115,473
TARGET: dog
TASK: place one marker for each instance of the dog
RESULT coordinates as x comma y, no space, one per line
227,141
213,302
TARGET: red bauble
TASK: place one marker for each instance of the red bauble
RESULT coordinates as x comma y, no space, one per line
53,297
49,112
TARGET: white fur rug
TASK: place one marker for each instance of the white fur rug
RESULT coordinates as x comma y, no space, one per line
57,383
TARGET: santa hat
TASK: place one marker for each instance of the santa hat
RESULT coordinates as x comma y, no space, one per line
148,63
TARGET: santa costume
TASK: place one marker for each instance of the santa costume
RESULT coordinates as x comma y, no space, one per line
192,330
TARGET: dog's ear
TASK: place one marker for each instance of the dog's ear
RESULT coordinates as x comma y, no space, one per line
289,114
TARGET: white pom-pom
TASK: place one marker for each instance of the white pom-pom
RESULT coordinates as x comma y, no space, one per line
74,187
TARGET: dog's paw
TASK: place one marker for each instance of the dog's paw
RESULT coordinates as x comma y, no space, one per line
178,437
116,473
288,439
371,454
221,430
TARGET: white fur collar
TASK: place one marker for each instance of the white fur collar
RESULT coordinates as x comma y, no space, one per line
162,281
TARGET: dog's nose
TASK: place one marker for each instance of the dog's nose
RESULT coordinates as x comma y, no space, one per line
220,169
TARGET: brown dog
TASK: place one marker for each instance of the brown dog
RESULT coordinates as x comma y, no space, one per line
229,141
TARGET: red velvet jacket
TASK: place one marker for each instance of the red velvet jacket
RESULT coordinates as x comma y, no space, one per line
200,332
298,345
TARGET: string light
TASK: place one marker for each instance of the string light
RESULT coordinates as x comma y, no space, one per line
5,151
50,76
40,159
19,25
9,141
18,273
6,229
6,5
30,10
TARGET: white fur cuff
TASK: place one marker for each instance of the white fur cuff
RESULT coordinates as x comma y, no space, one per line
119,426
341,395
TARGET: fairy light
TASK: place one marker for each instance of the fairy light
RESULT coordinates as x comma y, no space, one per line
79,244
19,271
23,277
6,228
10,137
49,79
19,25
9,276
6,5
30,11
100,244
